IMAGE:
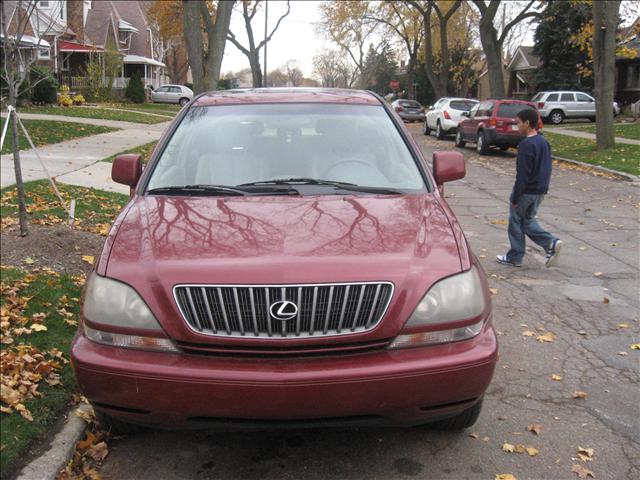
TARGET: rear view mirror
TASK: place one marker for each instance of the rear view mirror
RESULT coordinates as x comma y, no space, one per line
127,169
448,166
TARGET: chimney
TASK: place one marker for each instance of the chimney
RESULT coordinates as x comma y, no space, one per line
75,18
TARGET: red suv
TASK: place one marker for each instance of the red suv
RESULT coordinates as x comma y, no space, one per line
492,122
287,257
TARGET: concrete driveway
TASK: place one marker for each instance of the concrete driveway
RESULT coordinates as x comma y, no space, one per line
589,302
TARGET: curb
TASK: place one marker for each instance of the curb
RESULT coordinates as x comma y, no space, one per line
624,176
48,465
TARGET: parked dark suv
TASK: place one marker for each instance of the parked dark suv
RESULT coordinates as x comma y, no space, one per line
492,123
287,257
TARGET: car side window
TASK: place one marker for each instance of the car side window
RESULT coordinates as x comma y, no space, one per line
175,89
583,98
567,97
552,98
485,109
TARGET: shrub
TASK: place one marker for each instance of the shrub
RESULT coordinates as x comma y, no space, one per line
135,89
78,99
64,99
45,86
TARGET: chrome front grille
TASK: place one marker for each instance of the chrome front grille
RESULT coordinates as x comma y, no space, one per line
323,310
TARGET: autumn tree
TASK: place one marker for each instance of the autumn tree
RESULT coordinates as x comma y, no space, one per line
277,78
169,46
493,41
205,51
605,22
405,23
252,50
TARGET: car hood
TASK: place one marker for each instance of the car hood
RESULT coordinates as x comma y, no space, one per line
164,241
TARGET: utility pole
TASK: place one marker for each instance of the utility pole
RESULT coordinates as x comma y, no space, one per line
266,17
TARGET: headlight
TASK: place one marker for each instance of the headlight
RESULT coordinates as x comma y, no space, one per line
455,298
114,303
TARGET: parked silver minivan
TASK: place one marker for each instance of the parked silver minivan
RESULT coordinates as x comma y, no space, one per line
555,106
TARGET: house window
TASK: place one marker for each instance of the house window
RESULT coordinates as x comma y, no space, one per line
65,61
633,77
44,54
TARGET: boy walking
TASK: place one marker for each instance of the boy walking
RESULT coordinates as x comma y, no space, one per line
533,172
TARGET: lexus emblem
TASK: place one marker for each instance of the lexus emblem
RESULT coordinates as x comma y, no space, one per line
283,310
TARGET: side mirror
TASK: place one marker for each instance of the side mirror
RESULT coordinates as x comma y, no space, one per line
465,114
448,166
127,169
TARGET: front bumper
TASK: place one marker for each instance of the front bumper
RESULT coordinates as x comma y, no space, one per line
408,386
419,117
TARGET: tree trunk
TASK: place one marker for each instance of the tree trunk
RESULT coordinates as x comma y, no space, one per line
193,43
256,70
217,38
605,21
493,52
411,75
22,204
435,80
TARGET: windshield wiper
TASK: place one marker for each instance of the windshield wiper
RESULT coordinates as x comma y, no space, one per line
200,189
352,187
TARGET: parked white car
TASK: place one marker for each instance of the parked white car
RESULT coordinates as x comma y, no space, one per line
445,115
555,106
172,94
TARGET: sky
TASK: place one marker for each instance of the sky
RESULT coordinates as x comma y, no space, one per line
295,39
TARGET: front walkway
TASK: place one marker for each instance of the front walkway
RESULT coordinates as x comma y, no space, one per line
75,155
590,136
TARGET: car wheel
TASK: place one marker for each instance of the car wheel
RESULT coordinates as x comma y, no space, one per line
463,420
425,129
460,143
183,101
481,144
439,131
556,117
116,426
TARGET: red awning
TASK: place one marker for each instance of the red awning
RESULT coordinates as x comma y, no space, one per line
77,47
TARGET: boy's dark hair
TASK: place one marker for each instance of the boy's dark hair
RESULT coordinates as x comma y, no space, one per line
530,115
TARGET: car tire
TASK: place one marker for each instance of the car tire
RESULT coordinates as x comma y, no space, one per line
116,426
460,143
481,144
183,101
465,419
425,129
440,133
556,117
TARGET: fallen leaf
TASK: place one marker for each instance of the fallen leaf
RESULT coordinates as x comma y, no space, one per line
98,452
581,471
505,476
556,377
534,428
500,221
507,447
473,435
598,274
585,454
582,332
547,337
623,354
532,451
635,346
29,261
519,448
582,248
37,327
605,300
88,258
623,325
579,394
494,291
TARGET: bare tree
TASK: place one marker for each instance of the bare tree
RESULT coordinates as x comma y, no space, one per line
293,72
21,24
492,42
605,23
334,70
252,52
277,78
205,56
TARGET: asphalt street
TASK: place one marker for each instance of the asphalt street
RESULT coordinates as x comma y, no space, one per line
589,302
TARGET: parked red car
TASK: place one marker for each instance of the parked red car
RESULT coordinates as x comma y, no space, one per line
287,257
492,123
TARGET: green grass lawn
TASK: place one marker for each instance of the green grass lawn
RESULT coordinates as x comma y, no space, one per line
95,209
627,130
46,132
158,108
144,150
46,292
622,157
91,112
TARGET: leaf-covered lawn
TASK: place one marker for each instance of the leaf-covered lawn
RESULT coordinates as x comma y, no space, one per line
45,132
627,130
623,158
94,112
157,108
38,321
95,209
145,150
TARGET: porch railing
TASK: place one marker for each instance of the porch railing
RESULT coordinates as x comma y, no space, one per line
77,82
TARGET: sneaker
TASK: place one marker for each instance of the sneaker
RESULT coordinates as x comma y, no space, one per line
504,260
553,252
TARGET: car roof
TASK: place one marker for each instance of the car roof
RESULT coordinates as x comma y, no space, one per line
287,95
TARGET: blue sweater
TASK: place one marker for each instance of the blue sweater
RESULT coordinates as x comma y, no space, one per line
533,167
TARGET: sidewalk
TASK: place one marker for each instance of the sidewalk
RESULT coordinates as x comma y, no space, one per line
87,121
589,136
74,155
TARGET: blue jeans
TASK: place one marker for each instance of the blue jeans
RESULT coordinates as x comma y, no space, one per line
522,221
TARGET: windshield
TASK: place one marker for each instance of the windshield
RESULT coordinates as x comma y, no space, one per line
511,110
410,103
233,145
